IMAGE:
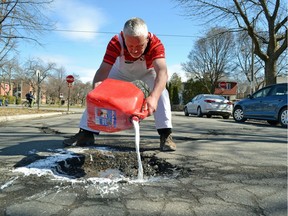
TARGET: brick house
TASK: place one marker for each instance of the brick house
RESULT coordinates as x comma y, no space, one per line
229,90
4,88
15,89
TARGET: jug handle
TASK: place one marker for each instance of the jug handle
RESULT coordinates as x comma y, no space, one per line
138,116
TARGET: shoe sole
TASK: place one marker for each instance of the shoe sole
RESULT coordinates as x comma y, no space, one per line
77,145
168,148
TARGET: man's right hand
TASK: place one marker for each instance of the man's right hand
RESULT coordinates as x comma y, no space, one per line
150,105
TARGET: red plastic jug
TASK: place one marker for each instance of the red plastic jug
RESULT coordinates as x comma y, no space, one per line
112,104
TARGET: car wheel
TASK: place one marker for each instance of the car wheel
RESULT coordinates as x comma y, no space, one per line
186,111
272,122
238,114
199,112
208,116
226,116
283,117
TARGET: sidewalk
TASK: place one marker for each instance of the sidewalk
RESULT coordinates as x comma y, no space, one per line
58,111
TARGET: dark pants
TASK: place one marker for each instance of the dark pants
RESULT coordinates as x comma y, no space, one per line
30,102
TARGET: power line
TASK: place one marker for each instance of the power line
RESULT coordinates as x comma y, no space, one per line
103,32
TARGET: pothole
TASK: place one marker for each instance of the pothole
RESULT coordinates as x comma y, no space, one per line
48,130
93,163
126,162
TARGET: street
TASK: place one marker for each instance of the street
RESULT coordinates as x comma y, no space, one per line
231,169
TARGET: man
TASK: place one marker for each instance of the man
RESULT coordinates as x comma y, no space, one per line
30,98
135,54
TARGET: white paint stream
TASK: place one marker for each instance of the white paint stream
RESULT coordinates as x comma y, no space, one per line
137,146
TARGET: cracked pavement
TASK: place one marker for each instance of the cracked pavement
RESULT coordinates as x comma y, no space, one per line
234,169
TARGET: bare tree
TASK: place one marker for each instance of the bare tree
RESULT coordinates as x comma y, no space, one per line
253,71
282,66
264,21
55,85
7,73
210,59
36,71
80,91
21,19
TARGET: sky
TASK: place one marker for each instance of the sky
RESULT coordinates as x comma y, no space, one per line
97,21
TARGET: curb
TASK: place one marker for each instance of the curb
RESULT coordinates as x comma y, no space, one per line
30,116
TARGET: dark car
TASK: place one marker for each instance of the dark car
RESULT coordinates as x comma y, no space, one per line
268,103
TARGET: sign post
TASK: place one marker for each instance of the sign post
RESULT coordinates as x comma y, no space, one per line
69,80
38,88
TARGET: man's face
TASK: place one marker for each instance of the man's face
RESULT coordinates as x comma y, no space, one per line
136,45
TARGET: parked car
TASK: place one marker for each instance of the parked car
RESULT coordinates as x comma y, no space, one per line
268,103
209,104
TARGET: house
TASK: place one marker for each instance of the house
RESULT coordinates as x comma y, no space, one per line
17,89
282,79
5,89
227,89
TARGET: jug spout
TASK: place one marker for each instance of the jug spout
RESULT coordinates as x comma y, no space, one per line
135,118
139,115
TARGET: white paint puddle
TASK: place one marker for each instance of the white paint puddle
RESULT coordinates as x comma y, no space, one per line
9,183
46,166
107,182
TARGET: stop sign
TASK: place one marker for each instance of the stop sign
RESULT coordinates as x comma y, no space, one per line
70,79
223,85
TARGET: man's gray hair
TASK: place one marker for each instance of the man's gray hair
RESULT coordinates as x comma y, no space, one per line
135,27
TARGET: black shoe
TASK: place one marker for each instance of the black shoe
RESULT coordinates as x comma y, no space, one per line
82,138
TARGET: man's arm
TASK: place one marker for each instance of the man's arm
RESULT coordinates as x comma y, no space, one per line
159,85
102,73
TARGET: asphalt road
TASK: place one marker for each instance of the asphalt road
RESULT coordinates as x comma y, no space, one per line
235,169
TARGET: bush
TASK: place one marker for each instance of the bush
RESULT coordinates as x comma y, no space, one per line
10,99
177,107
18,101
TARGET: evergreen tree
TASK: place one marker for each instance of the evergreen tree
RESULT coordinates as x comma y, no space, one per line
193,88
175,100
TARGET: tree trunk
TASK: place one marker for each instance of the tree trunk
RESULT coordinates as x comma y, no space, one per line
270,72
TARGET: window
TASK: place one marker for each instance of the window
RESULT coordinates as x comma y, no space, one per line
261,93
228,85
279,90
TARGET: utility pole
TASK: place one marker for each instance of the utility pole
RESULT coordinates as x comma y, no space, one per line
38,88
252,62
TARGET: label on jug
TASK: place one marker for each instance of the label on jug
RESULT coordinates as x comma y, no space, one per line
105,117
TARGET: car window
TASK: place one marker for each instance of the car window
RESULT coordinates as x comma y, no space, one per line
215,97
279,90
262,93
195,98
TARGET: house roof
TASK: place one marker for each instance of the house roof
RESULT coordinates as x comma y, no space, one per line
232,91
